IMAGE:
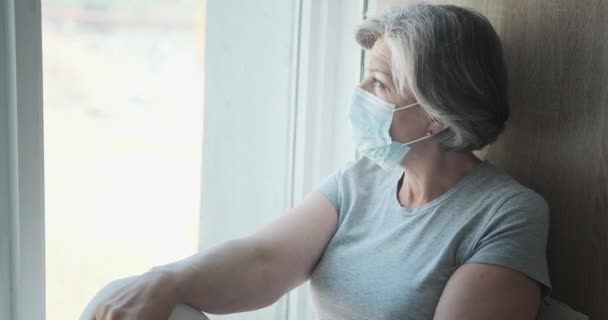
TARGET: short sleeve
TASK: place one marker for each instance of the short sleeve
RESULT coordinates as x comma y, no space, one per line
330,188
516,238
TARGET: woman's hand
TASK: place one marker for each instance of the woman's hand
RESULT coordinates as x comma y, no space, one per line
150,296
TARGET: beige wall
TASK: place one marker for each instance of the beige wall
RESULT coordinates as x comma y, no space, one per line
556,141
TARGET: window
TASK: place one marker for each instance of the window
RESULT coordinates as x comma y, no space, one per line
123,105
127,144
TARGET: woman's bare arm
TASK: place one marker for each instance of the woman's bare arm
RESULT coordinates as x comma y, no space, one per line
242,274
483,291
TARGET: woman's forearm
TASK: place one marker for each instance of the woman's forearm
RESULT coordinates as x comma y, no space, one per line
254,272
231,277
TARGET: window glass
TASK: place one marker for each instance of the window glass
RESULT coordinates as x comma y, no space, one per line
123,111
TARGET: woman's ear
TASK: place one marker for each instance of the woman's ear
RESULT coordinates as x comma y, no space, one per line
435,126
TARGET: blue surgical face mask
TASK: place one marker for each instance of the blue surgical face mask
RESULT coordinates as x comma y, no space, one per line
370,119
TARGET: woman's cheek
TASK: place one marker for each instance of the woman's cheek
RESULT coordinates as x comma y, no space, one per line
394,130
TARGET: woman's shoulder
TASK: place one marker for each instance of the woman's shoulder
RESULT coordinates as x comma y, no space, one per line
504,190
366,172
365,168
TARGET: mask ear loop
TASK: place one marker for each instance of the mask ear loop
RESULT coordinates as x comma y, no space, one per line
428,135
406,107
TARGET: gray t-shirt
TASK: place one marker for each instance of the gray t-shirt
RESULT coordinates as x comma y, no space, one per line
390,262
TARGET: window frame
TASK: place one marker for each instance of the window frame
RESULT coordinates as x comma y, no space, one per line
22,230
328,69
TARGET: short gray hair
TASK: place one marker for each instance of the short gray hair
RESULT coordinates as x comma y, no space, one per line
451,59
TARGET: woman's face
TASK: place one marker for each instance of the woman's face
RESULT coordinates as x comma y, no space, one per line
408,124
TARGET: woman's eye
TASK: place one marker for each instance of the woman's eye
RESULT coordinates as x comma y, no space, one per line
377,84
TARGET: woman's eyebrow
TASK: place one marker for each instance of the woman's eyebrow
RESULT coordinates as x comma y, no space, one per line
378,70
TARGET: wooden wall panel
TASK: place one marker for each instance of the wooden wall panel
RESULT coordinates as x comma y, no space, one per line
556,140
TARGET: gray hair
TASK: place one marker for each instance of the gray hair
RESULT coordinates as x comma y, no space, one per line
451,59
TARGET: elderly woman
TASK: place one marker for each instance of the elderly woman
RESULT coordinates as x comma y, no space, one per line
418,227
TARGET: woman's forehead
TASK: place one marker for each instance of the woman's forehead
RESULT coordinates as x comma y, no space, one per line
378,58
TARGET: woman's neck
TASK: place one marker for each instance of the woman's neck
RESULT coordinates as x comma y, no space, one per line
427,178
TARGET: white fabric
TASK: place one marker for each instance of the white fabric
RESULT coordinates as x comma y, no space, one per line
552,309
180,312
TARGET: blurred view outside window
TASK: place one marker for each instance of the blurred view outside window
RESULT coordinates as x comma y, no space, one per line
123,113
